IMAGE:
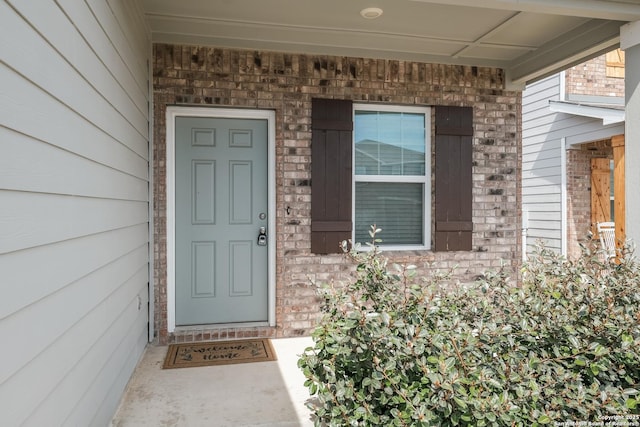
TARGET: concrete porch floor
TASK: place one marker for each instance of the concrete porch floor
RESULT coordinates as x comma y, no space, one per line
242,395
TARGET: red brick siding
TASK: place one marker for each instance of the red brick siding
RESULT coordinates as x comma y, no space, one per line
286,83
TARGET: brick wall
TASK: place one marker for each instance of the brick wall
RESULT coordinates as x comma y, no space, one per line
579,192
590,78
286,83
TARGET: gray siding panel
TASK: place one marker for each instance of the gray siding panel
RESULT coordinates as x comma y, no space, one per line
89,253
35,166
541,166
542,133
45,119
83,96
74,191
593,130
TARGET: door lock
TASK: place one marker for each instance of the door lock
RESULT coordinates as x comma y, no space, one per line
262,237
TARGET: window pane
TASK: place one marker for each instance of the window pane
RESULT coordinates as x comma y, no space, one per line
396,208
389,143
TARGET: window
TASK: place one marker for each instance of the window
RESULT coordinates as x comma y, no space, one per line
392,175
389,183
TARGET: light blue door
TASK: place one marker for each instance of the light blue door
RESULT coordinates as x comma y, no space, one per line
221,205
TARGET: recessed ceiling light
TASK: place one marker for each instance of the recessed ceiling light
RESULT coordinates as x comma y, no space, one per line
371,12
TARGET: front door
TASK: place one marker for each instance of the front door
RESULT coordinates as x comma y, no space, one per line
221,207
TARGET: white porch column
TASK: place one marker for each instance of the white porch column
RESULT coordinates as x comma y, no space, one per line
630,43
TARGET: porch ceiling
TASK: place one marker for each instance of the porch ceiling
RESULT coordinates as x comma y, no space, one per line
529,39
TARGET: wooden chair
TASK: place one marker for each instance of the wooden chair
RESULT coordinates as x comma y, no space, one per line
607,235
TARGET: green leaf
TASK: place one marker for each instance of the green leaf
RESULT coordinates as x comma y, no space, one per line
461,403
450,363
544,419
598,349
433,360
574,341
631,403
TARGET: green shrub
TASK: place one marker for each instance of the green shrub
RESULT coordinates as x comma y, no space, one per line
563,346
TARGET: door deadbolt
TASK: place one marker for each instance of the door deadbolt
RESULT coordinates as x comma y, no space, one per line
262,237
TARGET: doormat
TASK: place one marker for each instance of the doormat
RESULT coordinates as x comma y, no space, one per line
186,355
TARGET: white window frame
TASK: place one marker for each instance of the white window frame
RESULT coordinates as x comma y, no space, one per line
425,180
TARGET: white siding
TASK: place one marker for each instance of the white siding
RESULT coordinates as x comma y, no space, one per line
74,207
542,135
541,165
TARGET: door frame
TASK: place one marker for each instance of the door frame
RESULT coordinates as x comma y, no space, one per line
228,113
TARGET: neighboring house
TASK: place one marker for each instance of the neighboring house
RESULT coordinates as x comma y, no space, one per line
174,171
571,123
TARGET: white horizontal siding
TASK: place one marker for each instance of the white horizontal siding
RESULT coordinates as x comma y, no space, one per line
35,219
89,253
95,289
542,135
547,236
555,208
540,169
542,215
74,191
95,93
24,108
543,160
33,165
539,144
134,37
541,198
570,126
548,153
552,181
541,165
539,94
543,189
593,130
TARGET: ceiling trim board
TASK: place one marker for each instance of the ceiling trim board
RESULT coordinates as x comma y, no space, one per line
595,9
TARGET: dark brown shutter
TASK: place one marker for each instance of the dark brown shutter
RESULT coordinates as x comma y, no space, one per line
331,169
453,158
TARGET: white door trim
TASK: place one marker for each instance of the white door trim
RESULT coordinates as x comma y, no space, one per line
172,113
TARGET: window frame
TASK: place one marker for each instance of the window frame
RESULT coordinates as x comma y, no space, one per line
425,180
